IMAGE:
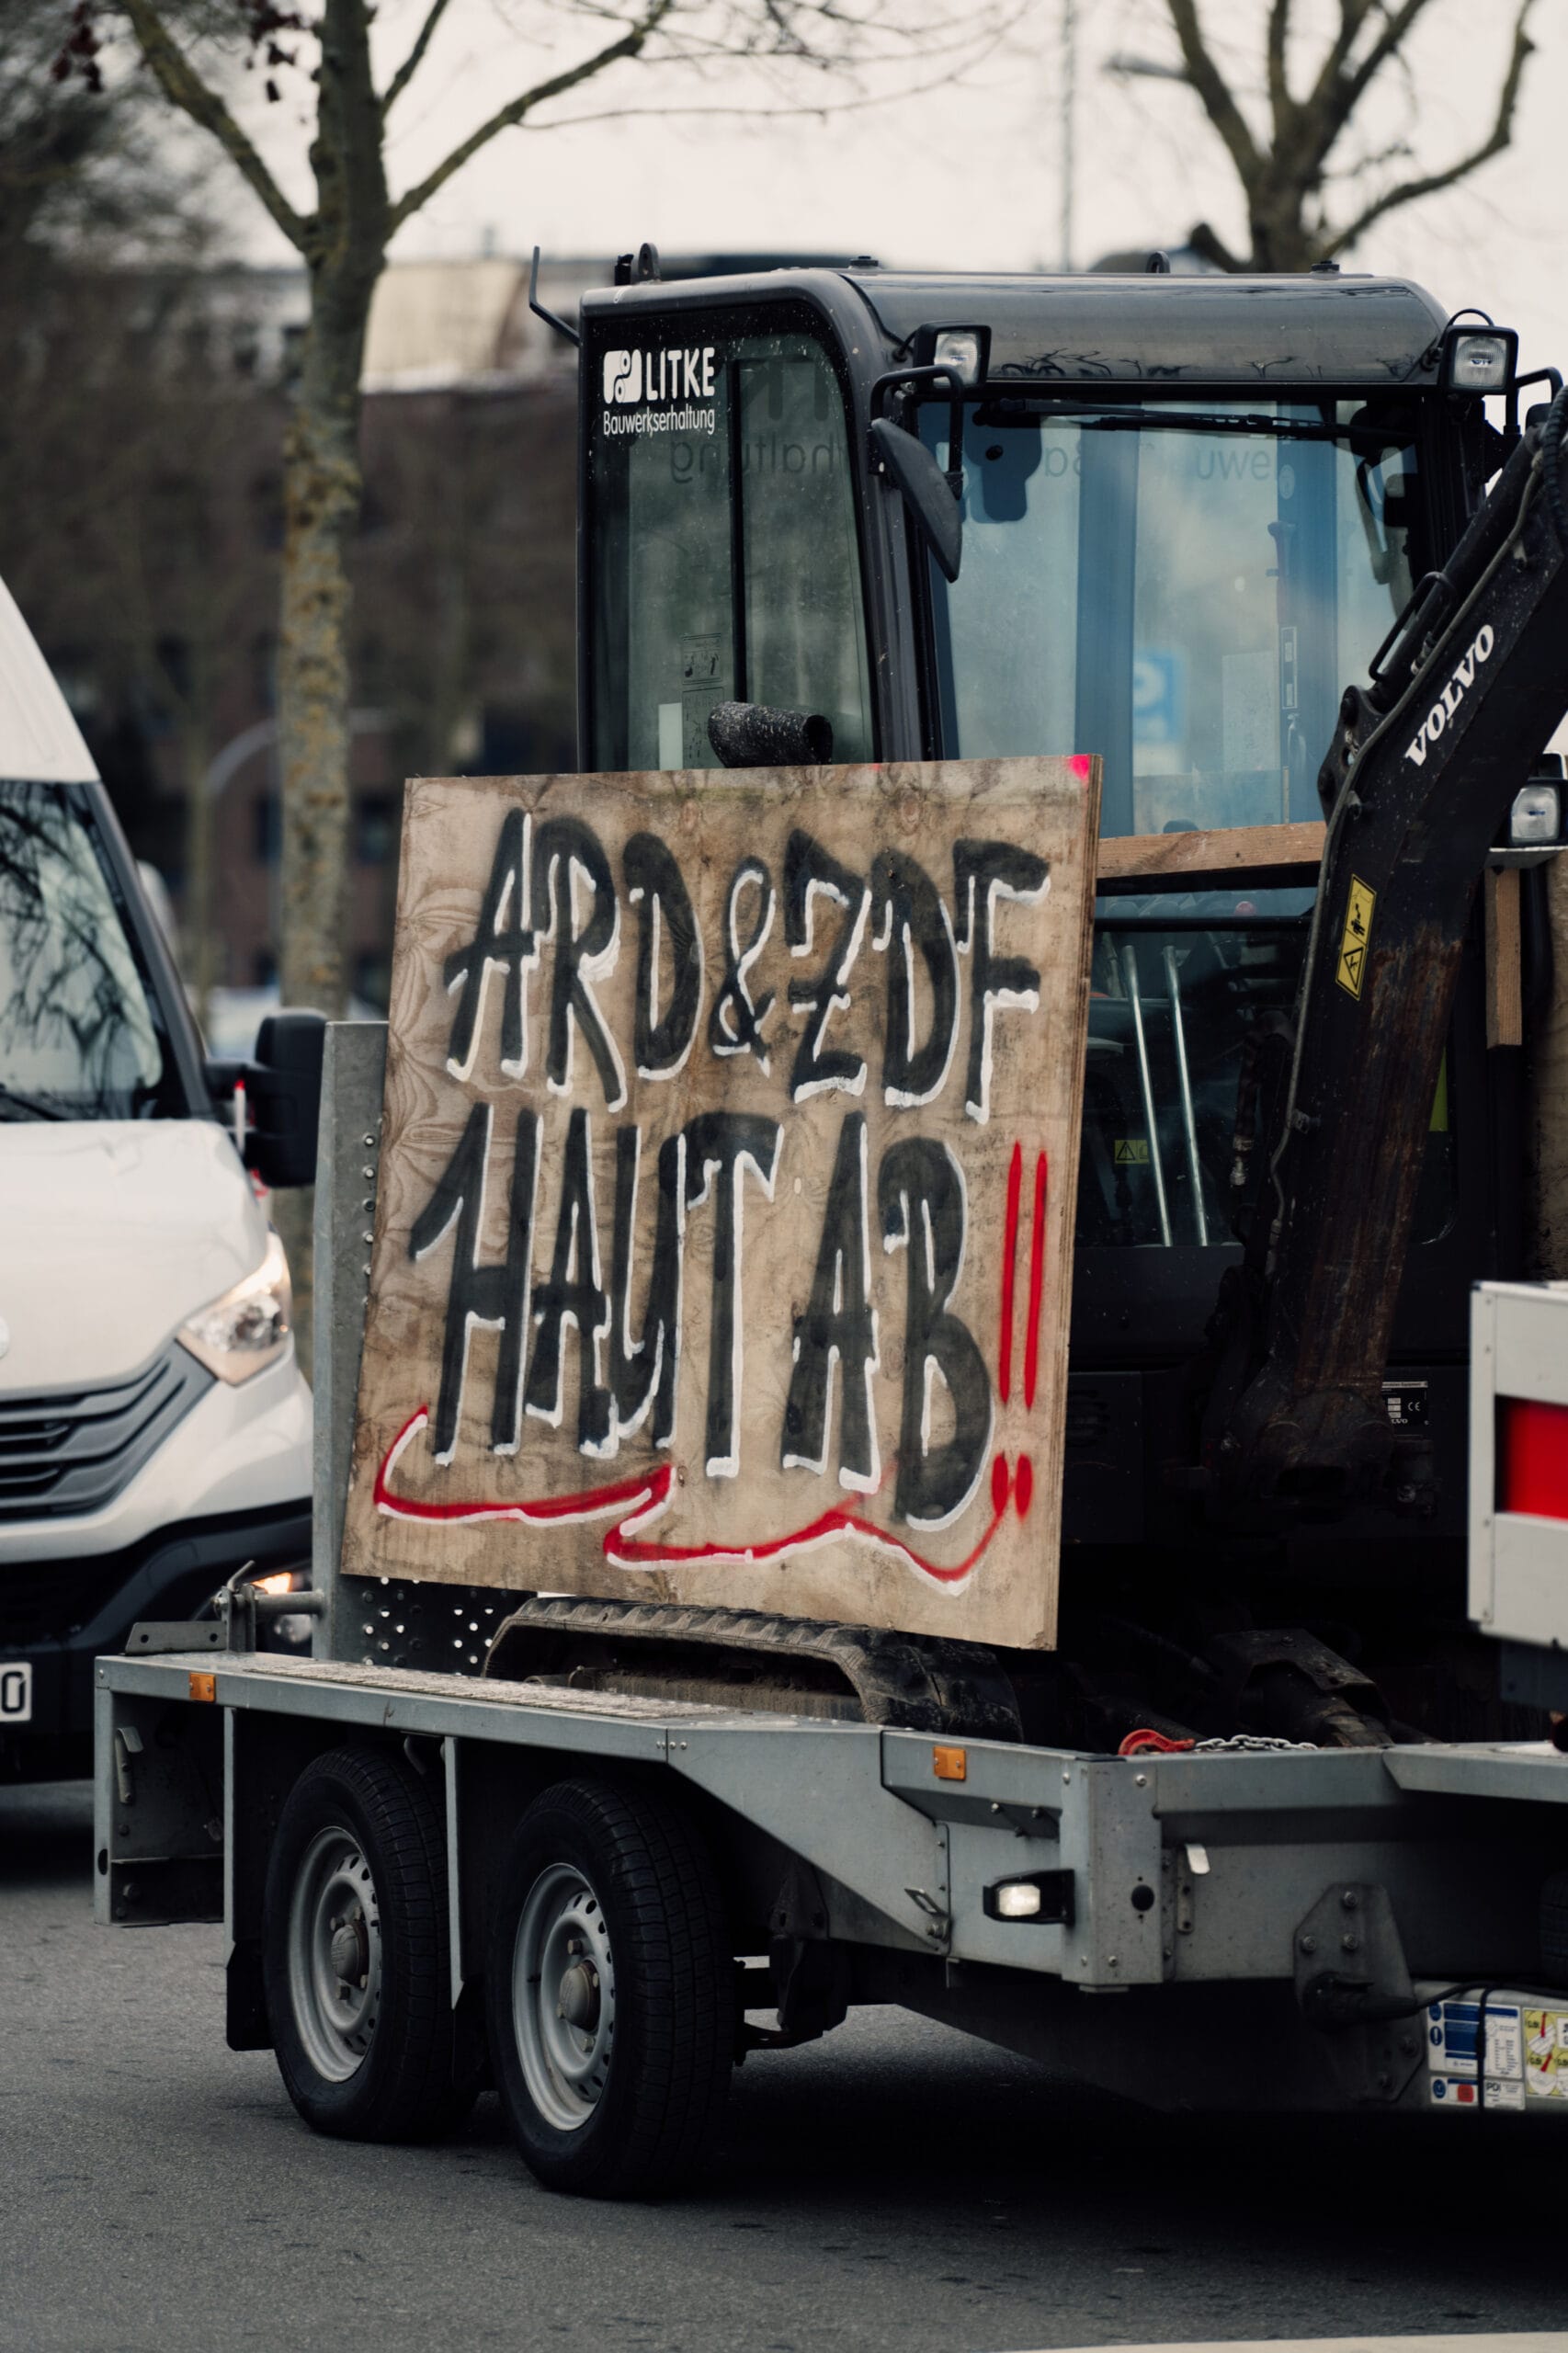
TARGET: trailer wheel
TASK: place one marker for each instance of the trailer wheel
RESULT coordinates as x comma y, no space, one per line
357,1968
610,1992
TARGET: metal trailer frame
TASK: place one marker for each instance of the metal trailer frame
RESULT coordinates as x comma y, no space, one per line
1246,1929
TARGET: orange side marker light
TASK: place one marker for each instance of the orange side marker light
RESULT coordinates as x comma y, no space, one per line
203,1687
950,1764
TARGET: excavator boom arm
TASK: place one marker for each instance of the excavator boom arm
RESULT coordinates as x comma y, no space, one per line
1417,787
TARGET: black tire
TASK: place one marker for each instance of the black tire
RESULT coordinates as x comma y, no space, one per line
636,1909
360,1860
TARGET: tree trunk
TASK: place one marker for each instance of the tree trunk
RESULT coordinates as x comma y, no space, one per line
321,495
320,508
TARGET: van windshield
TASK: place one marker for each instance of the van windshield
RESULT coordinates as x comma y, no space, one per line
81,1032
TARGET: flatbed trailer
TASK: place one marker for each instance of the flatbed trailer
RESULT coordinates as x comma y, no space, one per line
1246,1924
1246,1905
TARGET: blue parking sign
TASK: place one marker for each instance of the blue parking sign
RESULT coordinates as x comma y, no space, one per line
1159,698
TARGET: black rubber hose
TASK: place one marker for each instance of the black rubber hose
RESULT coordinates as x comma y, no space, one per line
1551,451
753,735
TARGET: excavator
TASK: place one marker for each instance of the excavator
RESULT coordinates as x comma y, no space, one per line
1290,554
1289,557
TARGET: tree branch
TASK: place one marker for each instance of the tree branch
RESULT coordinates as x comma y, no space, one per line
1351,87
630,45
1281,104
1410,191
183,87
1353,14
1213,89
412,62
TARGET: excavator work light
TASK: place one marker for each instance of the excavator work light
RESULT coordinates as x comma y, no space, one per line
1480,360
1536,815
966,350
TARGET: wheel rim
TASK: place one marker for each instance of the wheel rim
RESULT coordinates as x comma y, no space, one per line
335,1954
563,1996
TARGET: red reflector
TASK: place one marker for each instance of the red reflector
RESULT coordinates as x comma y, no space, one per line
1534,1458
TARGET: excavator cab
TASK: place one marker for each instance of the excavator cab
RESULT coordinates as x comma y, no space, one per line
1164,519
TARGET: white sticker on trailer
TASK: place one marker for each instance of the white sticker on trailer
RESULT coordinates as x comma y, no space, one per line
16,1692
1459,2091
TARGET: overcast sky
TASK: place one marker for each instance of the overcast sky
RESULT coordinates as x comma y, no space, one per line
967,175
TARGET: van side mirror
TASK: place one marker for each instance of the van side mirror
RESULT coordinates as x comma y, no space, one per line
282,1096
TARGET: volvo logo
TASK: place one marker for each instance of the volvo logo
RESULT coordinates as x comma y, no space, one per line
1453,694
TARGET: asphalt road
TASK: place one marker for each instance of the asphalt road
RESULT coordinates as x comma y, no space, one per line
896,2186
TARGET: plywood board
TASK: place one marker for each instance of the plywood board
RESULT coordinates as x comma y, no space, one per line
1254,856
722,1243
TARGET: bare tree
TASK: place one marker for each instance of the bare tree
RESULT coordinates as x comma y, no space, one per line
1288,151
188,45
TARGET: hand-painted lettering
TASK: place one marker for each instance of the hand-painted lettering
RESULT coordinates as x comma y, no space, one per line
663,1038
564,850
808,870
984,872
645,1373
497,1296
735,1026
503,943
720,1148
838,1328
921,1202
572,1294
907,913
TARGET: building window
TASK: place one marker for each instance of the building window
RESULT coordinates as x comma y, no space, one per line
267,832
375,829
373,978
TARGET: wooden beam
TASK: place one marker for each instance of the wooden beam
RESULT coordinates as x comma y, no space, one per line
1504,971
1262,856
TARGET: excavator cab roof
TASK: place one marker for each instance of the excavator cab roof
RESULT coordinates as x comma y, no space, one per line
1157,327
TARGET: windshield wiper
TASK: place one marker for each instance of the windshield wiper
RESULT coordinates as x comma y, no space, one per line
16,1104
1117,416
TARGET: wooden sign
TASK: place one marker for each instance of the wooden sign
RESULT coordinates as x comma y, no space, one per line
724,1234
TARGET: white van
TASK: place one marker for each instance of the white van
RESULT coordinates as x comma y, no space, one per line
154,1427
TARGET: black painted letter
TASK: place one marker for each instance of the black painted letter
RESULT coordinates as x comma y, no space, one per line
839,1325
561,844
644,1372
984,872
907,913
808,869
654,885
497,1296
503,943
720,1146
920,1199
574,1293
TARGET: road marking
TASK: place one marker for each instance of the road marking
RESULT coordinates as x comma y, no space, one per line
1545,2341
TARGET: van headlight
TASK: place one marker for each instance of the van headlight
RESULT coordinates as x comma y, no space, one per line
247,1329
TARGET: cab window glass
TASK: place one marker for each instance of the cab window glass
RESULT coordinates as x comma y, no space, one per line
726,565
1186,596
803,647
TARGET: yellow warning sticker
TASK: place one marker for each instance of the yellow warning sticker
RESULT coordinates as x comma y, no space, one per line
1132,1152
1546,2055
1356,938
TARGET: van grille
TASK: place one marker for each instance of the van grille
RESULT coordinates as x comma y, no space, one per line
66,1452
